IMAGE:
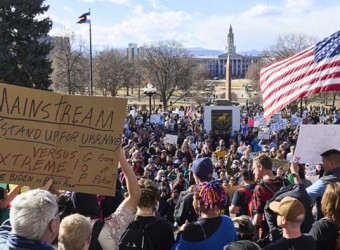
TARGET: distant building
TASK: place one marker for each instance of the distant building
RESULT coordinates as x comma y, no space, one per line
216,64
134,52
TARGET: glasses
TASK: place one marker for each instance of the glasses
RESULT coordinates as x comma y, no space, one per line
57,216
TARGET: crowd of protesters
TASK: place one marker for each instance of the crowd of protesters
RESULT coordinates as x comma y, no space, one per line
206,191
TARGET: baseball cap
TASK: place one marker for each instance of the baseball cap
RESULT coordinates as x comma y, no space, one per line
290,208
330,152
203,168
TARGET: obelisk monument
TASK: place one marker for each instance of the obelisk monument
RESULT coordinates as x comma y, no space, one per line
228,80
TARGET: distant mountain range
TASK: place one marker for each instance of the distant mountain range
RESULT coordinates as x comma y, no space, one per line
210,52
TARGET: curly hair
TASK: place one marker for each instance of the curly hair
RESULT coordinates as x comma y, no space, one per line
330,202
211,195
149,193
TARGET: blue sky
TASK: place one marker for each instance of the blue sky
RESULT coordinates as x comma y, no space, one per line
194,23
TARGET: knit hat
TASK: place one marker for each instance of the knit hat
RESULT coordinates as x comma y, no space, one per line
203,168
242,245
85,204
290,208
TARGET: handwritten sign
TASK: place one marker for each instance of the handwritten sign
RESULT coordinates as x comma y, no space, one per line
171,139
73,139
313,140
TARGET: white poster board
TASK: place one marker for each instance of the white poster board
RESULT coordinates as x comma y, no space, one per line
133,112
263,135
313,140
171,139
155,119
181,113
277,126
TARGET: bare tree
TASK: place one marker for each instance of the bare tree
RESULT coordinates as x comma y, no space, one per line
199,75
111,71
139,77
291,43
168,66
253,74
68,63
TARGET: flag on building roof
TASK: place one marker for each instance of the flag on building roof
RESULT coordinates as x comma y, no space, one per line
85,18
313,70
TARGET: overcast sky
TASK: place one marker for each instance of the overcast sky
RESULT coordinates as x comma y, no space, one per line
194,23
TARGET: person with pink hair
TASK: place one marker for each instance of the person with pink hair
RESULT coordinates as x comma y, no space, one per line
212,230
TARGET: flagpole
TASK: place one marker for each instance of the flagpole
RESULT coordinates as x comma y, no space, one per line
91,76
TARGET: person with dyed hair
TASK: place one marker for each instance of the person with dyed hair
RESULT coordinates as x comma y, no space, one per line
212,230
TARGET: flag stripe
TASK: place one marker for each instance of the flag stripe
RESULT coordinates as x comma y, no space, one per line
283,61
292,89
313,70
277,80
332,85
306,57
297,77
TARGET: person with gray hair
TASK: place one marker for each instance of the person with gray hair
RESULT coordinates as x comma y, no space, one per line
34,222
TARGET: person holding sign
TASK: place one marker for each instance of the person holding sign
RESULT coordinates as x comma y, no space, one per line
5,200
331,165
116,224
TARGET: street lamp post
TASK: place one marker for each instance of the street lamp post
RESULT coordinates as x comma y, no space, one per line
149,90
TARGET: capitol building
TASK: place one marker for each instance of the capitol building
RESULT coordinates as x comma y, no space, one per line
216,65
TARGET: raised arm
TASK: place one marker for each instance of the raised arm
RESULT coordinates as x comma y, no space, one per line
14,192
133,188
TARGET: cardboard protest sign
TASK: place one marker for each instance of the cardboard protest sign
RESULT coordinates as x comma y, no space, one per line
313,140
73,139
171,139
277,163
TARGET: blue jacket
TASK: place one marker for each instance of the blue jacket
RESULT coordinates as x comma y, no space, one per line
225,234
11,241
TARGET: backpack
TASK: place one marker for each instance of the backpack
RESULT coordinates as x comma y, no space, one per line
298,192
135,237
97,228
337,242
250,195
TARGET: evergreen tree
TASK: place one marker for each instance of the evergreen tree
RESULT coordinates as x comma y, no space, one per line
24,47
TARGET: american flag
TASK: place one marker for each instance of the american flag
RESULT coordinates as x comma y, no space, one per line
313,70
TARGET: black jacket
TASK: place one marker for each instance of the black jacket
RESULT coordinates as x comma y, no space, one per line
298,192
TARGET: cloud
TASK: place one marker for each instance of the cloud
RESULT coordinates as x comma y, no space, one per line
254,28
67,9
121,2
144,28
298,5
261,10
156,5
